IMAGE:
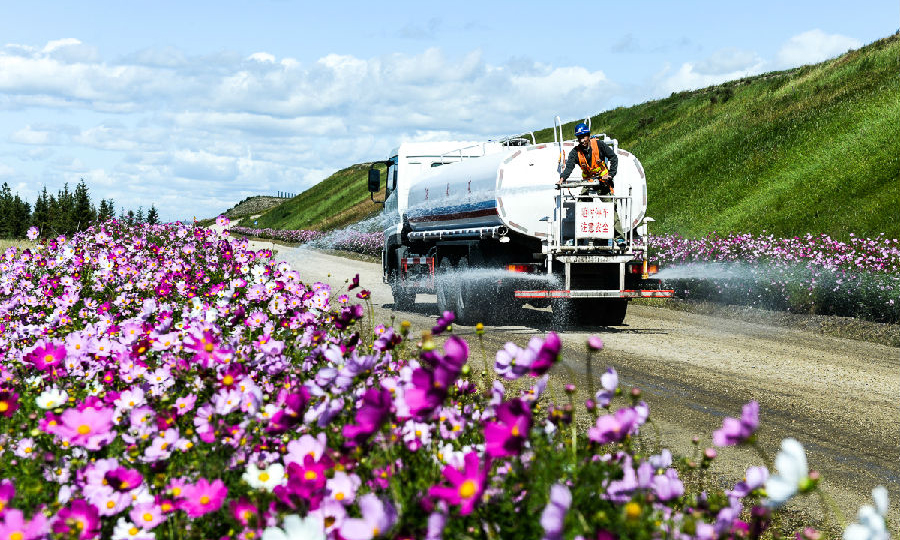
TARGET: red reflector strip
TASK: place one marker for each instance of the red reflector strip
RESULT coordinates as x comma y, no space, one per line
417,260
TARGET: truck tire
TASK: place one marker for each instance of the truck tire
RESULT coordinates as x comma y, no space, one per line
445,285
469,296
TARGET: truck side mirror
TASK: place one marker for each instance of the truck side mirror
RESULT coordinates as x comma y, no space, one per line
374,180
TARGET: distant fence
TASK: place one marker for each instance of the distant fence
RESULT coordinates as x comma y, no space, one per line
285,195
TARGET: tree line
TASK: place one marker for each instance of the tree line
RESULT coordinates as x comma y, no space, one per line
66,212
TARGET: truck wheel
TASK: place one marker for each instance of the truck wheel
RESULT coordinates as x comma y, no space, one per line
469,301
445,284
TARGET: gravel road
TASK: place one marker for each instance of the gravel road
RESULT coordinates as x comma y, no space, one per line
839,397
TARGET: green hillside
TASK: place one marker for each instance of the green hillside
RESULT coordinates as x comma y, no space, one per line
814,149
335,202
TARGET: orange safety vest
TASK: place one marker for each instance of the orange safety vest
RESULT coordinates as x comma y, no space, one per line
597,168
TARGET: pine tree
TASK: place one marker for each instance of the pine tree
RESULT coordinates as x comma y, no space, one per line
152,215
82,215
61,212
6,211
41,216
21,217
139,216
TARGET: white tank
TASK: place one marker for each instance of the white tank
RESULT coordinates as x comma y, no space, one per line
514,187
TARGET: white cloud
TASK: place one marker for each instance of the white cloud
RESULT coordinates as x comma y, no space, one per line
721,66
813,46
29,135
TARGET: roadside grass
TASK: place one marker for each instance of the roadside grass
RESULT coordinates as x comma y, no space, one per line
20,244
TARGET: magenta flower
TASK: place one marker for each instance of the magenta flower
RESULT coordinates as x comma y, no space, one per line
89,427
292,412
78,520
122,479
426,393
206,349
466,486
736,431
443,322
547,355
9,402
306,481
14,525
614,427
146,515
377,519
202,497
7,492
508,433
371,414
47,357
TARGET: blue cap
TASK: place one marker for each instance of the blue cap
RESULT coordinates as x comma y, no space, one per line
582,129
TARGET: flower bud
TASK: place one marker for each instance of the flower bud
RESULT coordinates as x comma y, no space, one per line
570,388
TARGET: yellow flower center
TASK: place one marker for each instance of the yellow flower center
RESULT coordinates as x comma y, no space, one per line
467,489
84,429
209,347
18,535
310,475
632,511
4,406
176,491
375,531
228,380
204,499
48,358
263,476
133,531
110,504
148,516
515,431
339,496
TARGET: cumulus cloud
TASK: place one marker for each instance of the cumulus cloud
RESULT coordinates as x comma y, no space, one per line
723,65
29,135
813,46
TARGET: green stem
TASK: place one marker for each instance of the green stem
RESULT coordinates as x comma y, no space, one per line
589,370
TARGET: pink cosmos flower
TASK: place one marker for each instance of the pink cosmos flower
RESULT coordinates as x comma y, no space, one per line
89,428
614,427
147,515
14,525
202,497
736,431
47,357
377,518
466,486
78,520
506,436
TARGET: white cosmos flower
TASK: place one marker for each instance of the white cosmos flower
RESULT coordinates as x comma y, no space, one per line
870,519
296,528
793,473
51,397
267,478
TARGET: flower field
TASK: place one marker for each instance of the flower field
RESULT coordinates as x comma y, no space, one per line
808,274
345,239
168,382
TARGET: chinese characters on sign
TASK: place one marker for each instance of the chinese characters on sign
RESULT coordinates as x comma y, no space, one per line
594,220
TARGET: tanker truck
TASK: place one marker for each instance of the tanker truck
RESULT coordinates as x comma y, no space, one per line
485,227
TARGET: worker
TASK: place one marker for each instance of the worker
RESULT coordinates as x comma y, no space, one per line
591,155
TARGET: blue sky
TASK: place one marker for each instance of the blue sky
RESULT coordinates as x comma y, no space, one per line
193,106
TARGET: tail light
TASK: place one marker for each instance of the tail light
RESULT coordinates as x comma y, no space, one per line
521,268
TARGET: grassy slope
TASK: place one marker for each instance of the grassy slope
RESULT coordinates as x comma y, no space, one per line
814,149
335,202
